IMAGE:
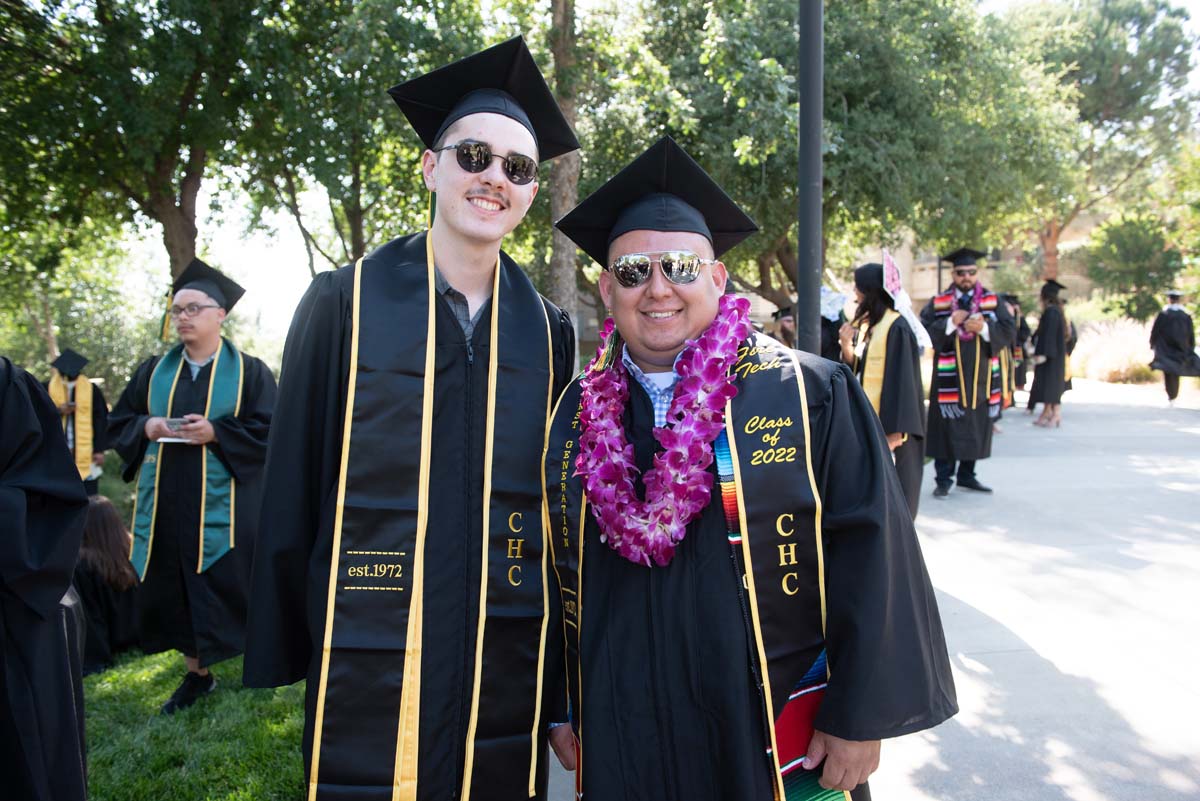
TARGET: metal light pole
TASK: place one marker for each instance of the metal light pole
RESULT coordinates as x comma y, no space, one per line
808,247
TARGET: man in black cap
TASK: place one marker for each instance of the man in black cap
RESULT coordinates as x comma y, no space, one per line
401,568
191,428
969,326
42,506
1173,339
727,631
84,415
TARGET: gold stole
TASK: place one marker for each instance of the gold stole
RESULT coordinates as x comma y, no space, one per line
84,436
876,358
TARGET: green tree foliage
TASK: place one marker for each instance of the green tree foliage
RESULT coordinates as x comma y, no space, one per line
1131,260
124,105
1128,61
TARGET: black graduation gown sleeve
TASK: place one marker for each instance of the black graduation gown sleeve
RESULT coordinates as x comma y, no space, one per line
242,440
902,398
303,460
99,421
126,430
42,503
889,671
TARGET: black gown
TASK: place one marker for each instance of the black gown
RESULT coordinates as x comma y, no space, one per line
111,617
671,711
902,407
1173,339
1050,340
291,576
969,437
198,614
43,506
1020,361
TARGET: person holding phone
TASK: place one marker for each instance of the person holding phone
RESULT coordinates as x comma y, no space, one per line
191,428
969,326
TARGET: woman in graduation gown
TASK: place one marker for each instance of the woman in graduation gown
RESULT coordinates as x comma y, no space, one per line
194,594
107,586
881,348
1050,349
42,504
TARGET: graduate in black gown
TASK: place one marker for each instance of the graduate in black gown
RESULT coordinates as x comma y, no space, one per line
191,428
401,563
1023,332
84,414
698,671
1051,355
969,327
1173,339
107,585
42,504
881,350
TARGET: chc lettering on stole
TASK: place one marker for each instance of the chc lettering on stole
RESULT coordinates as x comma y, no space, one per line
515,547
785,528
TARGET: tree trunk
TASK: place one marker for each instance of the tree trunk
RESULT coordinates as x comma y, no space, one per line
564,172
40,314
1048,238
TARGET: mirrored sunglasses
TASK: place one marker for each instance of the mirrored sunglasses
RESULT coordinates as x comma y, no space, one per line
678,266
476,156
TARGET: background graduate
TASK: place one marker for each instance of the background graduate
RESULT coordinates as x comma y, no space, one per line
84,414
1173,339
968,326
401,564
1051,356
886,361
705,641
191,428
42,504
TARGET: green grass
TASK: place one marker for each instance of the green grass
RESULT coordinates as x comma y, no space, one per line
233,745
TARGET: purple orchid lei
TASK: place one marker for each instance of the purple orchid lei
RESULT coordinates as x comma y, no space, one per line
679,485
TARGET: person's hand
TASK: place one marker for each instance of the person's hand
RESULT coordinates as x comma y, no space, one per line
958,315
848,763
156,429
1039,359
98,458
974,324
197,430
562,740
846,334
895,441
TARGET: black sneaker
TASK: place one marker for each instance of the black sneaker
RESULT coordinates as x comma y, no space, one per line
941,491
193,688
972,483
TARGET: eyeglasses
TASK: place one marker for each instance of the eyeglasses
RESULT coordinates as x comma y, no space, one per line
476,156
678,266
190,310
971,271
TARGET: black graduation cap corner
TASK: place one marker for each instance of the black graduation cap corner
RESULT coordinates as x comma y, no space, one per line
663,189
212,282
69,363
964,256
503,79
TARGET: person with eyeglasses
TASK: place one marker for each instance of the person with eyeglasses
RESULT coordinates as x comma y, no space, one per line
401,568
746,609
191,430
969,327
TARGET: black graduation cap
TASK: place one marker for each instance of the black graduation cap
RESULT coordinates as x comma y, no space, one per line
964,256
69,363
1053,286
868,276
212,282
1174,293
502,79
663,189
786,311
1011,298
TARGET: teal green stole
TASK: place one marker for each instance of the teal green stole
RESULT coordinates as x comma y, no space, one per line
216,531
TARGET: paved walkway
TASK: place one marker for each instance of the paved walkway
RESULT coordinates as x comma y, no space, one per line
1071,601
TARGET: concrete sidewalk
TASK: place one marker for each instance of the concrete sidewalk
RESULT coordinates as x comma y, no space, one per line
1071,602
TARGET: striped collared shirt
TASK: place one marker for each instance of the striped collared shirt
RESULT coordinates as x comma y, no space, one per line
660,396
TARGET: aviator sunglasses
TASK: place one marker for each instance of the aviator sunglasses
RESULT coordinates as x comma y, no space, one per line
678,266
476,156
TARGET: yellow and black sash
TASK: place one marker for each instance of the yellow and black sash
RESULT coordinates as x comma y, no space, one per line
218,490
81,419
765,461
368,706
875,365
